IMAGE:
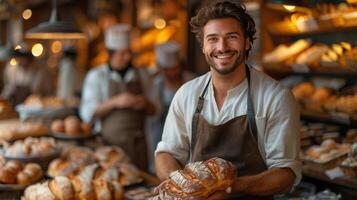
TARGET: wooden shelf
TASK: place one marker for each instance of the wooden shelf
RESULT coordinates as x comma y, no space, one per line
328,118
321,30
323,71
346,181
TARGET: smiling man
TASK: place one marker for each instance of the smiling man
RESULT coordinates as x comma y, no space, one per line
233,112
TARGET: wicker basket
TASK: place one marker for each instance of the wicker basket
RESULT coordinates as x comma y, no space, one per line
349,170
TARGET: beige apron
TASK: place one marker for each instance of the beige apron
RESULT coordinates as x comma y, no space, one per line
125,127
235,140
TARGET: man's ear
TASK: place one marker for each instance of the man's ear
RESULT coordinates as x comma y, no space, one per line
247,44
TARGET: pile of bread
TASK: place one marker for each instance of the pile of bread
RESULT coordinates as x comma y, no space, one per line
91,184
31,147
327,151
198,180
19,130
304,52
112,159
15,172
71,126
322,99
36,101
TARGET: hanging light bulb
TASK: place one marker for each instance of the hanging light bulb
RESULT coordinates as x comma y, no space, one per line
54,28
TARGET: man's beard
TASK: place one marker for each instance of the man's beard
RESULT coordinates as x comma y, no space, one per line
228,69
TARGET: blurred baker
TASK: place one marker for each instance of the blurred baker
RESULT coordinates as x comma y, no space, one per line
116,96
172,75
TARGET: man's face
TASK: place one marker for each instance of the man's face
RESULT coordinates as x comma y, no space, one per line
172,73
120,59
224,45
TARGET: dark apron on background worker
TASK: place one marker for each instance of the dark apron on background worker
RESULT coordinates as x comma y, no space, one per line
125,127
235,140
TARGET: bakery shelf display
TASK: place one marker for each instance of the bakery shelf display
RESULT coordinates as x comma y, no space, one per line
16,176
315,51
71,128
38,150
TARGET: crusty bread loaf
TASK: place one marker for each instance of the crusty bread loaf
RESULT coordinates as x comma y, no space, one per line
198,180
82,183
62,188
110,155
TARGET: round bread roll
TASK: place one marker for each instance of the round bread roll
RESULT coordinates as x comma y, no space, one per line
329,144
7,176
34,170
57,126
14,165
325,156
316,151
72,125
86,128
303,90
321,94
23,178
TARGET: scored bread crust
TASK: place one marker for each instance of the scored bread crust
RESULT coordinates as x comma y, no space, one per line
198,180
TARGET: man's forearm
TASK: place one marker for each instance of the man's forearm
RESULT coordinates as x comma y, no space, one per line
103,108
165,163
270,182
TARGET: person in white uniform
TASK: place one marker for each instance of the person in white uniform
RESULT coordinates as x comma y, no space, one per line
26,77
234,112
171,76
69,80
117,95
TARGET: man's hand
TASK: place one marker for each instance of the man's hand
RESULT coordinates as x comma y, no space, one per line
140,102
124,100
219,195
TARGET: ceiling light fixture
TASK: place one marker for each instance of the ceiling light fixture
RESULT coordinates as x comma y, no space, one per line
55,28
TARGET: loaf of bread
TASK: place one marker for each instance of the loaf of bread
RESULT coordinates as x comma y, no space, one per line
62,188
198,180
110,155
15,172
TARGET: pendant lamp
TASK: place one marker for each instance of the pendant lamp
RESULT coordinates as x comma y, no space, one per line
55,28
289,5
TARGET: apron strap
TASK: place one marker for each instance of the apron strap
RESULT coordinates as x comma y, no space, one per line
250,108
198,110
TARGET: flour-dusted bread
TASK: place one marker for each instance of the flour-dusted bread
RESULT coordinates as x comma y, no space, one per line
198,180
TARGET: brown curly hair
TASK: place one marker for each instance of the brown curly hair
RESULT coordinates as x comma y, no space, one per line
217,9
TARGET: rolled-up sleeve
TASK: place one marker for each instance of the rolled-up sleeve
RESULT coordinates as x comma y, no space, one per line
282,136
175,135
90,97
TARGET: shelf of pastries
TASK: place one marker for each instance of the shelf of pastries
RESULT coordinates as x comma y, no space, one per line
14,129
84,173
321,103
306,57
322,18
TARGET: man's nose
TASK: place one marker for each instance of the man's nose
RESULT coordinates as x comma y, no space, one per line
222,45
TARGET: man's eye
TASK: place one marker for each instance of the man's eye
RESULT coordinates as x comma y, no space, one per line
232,37
212,39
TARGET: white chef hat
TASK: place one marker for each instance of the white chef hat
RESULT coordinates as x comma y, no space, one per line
167,54
117,37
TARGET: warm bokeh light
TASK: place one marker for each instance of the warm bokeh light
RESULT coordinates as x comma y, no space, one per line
160,23
13,62
289,8
26,14
56,46
18,47
37,50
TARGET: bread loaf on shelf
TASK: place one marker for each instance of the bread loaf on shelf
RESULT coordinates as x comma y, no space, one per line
198,180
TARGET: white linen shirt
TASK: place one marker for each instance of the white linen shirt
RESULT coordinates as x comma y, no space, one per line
96,89
276,112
